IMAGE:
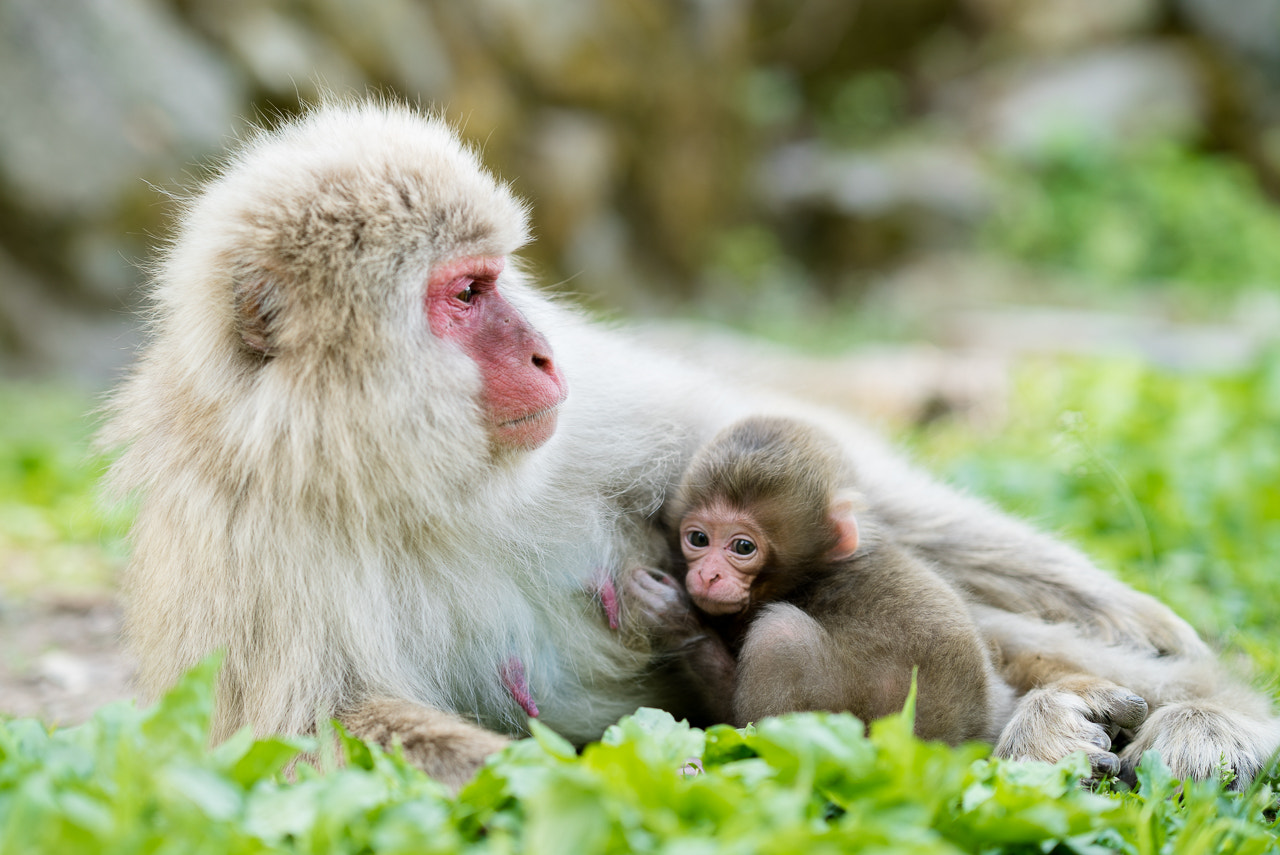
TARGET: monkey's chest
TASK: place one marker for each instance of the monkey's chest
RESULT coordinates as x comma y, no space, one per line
543,642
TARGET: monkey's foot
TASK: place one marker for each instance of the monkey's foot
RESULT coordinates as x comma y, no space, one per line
1198,738
1072,714
446,747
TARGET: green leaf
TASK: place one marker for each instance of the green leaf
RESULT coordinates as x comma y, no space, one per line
814,748
278,812
263,759
215,796
551,742
180,721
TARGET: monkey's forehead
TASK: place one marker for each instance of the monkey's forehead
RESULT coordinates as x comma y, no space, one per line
374,165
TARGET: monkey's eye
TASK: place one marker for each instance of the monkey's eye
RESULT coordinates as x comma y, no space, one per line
742,546
466,295
698,539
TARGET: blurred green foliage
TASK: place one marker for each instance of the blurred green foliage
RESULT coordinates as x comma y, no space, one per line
1168,479
54,531
863,108
131,781
1155,215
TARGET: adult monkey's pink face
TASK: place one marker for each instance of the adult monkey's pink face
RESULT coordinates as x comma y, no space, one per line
522,386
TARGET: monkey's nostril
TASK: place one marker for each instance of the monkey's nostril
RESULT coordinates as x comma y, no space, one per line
542,363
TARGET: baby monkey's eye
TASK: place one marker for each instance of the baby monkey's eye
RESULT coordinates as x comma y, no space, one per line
698,539
742,546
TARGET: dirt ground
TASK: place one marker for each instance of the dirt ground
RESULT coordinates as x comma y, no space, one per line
61,658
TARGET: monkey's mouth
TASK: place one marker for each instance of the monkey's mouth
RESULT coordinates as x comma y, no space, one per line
718,607
531,417
530,430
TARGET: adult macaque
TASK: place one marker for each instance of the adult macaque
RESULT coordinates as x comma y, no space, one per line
392,482
824,609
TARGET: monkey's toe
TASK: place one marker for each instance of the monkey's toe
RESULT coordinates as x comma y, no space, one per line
1128,711
1104,764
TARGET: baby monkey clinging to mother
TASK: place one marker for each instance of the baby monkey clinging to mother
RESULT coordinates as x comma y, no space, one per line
821,609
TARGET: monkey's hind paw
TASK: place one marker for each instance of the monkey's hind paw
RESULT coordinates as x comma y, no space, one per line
1068,716
1200,738
445,746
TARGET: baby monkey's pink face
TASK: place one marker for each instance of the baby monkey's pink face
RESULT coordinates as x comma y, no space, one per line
726,550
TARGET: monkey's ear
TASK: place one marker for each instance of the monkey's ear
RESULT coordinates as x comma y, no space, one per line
255,312
844,520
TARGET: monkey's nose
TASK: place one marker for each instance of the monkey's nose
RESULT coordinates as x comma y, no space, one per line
544,364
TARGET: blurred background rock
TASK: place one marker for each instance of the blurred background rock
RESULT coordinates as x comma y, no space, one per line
772,164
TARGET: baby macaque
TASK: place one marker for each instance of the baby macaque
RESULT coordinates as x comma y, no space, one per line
819,606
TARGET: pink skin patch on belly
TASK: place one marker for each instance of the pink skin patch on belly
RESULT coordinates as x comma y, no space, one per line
608,595
516,683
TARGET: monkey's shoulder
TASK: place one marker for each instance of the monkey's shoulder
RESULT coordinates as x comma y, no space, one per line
887,580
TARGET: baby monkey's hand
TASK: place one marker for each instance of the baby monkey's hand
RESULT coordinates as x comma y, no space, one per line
655,606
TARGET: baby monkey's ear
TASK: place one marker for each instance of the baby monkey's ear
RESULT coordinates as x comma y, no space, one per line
844,521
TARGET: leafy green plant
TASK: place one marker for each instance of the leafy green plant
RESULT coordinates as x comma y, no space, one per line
143,781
